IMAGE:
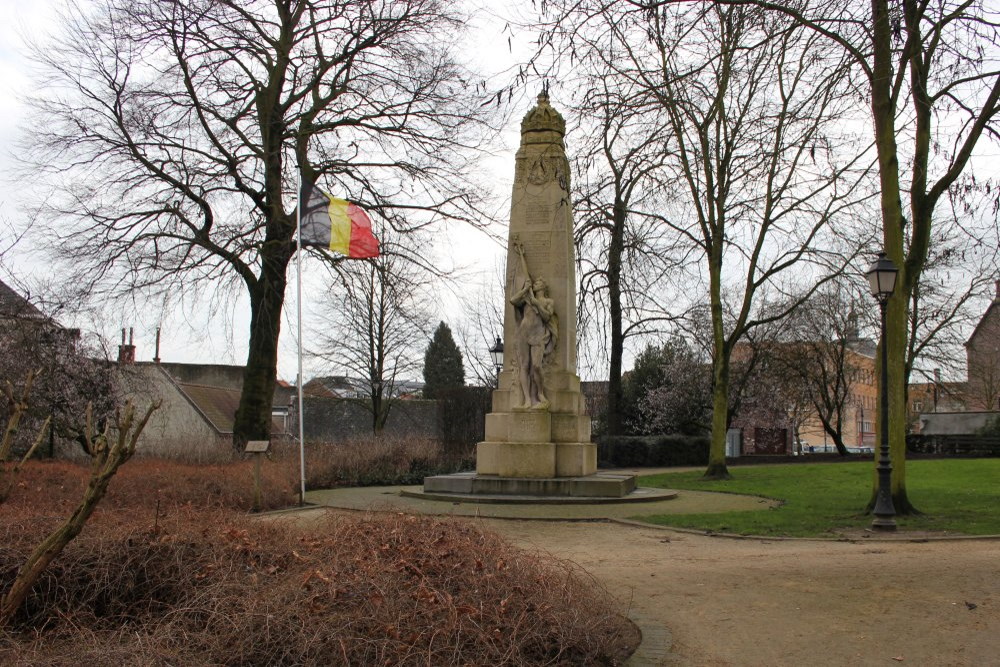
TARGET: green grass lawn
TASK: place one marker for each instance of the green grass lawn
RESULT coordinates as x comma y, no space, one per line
822,499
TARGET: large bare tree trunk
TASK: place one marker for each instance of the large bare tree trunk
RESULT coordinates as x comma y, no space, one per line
720,421
720,370
617,347
267,296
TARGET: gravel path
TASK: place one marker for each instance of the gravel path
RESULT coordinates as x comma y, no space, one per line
718,601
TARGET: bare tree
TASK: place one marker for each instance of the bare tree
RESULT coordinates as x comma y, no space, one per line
375,326
821,351
625,257
984,382
68,374
945,304
16,406
933,73
173,134
762,395
760,167
109,449
481,328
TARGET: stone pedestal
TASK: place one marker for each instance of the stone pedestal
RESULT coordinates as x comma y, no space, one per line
553,442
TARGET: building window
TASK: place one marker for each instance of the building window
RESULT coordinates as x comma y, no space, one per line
918,406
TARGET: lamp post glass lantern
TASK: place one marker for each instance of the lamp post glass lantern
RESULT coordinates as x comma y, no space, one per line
882,281
882,277
496,354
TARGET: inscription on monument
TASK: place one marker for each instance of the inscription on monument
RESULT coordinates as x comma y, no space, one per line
536,245
538,215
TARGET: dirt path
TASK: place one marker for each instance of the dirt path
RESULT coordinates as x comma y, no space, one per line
750,602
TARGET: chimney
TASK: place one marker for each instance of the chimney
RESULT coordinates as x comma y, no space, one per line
156,359
126,353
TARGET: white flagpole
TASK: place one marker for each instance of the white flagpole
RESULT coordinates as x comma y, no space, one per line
298,300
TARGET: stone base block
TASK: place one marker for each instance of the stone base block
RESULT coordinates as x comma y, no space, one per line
536,459
526,426
599,485
502,400
567,401
562,381
570,428
576,459
516,459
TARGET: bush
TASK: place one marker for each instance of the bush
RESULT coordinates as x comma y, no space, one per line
54,487
148,484
979,445
626,451
380,462
208,587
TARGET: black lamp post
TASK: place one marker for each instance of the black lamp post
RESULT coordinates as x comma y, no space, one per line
496,354
882,280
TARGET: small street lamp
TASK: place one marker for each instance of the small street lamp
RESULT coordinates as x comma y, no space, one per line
496,354
882,281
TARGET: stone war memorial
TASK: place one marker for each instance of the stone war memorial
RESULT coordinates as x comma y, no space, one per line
537,442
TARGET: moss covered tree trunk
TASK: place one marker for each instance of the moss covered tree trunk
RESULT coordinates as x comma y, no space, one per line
720,367
720,421
107,457
884,118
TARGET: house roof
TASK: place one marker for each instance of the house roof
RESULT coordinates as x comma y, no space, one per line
863,346
992,311
13,305
407,387
334,386
215,376
217,405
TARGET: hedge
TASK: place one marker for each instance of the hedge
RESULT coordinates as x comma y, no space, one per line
627,451
955,445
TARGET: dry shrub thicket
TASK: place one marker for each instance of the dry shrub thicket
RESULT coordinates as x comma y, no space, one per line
149,482
166,572
209,587
143,485
381,461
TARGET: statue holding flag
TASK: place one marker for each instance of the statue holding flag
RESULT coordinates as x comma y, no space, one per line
535,335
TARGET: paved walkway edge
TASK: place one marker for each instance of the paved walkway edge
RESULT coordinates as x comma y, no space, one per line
874,537
654,644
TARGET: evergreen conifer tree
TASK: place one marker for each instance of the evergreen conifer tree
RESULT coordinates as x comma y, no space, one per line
442,363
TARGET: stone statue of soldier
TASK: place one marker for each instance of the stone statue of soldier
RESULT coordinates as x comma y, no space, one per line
535,336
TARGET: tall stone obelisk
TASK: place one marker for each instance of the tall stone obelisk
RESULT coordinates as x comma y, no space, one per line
539,427
538,435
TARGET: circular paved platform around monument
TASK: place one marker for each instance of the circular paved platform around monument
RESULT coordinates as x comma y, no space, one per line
391,498
639,495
